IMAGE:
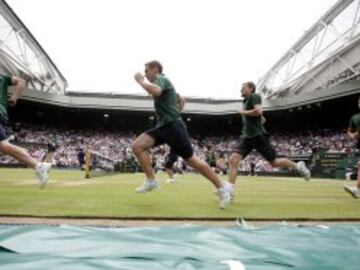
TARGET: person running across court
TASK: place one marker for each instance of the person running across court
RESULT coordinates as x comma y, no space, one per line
171,130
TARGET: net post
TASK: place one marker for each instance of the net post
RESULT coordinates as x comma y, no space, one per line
88,162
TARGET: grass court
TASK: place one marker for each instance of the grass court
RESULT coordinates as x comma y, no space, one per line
69,194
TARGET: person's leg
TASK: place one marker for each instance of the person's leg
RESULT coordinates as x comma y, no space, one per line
177,137
354,191
283,163
241,151
204,168
300,167
169,165
264,147
169,172
141,147
18,153
223,189
234,161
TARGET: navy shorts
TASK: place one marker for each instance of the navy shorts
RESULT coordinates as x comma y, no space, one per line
176,136
171,158
2,128
260,143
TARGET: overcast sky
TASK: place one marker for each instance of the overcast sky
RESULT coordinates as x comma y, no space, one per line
207,47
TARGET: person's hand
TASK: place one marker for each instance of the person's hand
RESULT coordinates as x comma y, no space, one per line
139,77
353,134
241,111
11,101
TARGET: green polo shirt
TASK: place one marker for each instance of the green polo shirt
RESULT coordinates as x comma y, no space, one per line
252,126
166,105
5,82
355,122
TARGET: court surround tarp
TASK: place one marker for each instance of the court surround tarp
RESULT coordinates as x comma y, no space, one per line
183,247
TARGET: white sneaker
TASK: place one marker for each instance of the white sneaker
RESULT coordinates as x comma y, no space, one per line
353,191
42,172
303,170
224,195
232,192
148,186
170,180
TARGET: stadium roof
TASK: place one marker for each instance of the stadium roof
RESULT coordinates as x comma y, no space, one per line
326,55
22,55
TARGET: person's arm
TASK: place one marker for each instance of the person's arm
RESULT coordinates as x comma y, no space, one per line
181,103
18,88
352,131
149,87
353,134
256,112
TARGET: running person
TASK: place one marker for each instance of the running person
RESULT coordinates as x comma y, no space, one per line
169,129
41,168
255,137
353,132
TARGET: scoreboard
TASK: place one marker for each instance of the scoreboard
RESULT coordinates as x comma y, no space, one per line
332,165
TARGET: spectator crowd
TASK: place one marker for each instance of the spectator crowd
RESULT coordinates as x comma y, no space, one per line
117,146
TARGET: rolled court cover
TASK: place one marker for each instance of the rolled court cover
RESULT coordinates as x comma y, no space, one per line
184,247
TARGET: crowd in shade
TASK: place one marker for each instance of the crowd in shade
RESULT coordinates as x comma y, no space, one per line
117,146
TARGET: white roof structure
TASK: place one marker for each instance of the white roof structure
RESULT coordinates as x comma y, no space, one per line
21,54
323,64
327,55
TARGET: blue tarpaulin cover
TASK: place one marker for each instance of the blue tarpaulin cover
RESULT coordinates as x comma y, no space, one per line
182,247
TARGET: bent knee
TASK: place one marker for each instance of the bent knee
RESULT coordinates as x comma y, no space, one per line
274,163
4,146
234,160
136,147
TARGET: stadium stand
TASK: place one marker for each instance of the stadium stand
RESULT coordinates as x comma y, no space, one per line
117,145
312,89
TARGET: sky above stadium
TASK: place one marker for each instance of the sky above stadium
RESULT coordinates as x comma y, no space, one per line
207,47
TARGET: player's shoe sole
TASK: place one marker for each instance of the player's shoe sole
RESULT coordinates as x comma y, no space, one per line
351,192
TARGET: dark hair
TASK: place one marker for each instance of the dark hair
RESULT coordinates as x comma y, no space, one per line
155,64
251,85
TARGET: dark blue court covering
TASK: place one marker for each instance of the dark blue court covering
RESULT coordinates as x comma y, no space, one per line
183,247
